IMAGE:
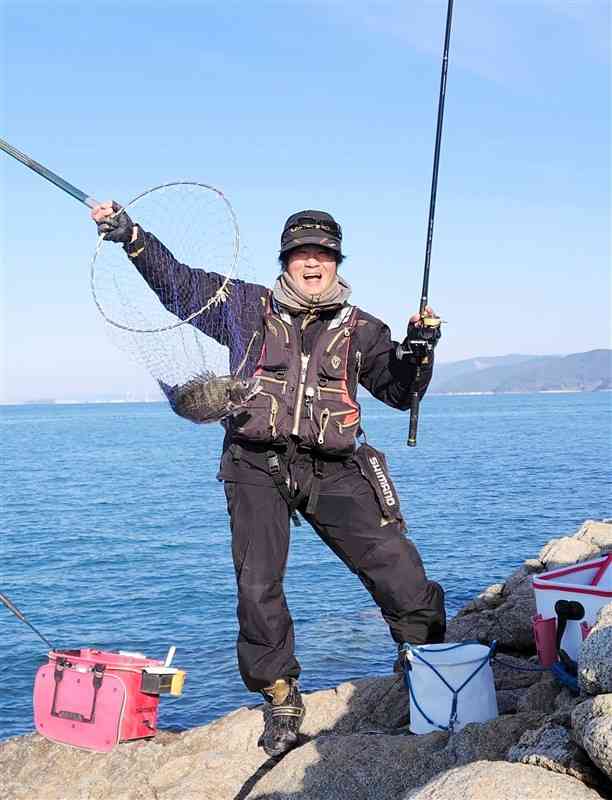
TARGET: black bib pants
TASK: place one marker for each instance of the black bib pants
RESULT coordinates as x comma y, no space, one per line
348,518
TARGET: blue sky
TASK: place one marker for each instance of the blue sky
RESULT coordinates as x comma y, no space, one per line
312,104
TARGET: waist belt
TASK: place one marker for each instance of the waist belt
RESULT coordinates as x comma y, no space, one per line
281,481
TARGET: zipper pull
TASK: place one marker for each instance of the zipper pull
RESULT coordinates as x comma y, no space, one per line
273,413
325,414
308,398
358,362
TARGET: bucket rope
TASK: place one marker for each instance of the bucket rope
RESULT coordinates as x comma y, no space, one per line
509,665
455,692
558,670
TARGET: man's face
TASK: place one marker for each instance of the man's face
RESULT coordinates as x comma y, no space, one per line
313,268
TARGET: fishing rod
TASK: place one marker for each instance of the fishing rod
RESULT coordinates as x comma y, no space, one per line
421,341
48,174
12,607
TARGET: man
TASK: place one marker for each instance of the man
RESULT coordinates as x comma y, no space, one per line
292,446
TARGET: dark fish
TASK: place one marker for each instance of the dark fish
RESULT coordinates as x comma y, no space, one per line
209,398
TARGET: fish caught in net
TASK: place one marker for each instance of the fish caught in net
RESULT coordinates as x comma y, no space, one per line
210,398
176,304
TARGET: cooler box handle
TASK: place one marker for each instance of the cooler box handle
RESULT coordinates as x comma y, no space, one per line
58,674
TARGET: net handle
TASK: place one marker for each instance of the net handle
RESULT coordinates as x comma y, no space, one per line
48,174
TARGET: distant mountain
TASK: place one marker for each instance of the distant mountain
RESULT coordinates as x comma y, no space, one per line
578,372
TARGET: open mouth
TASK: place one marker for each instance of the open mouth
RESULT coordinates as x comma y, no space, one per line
312,277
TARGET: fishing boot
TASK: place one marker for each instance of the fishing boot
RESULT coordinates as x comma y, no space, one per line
283,715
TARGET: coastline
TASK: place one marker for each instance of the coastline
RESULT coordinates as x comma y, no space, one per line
162,401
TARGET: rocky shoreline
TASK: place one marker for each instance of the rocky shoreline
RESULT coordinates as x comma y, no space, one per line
546,743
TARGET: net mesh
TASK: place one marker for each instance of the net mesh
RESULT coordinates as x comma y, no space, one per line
179,306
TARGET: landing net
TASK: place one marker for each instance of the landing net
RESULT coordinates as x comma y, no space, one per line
177,308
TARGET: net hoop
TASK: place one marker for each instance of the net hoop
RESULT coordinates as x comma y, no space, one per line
221,293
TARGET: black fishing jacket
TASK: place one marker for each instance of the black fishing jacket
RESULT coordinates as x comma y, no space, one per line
309,368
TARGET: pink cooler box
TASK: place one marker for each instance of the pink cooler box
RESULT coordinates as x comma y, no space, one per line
93,699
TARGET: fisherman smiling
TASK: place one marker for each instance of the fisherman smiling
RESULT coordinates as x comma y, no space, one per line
291,445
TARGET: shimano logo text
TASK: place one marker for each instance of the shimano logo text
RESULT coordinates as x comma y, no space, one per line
382,480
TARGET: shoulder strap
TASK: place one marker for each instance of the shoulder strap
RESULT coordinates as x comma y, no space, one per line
341,317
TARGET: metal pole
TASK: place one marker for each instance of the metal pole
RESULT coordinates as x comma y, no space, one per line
422,348
12,607
46,173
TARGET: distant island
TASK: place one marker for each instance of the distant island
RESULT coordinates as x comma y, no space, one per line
512,374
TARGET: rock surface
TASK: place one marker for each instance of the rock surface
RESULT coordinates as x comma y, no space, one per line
546,744
381,767
504,615
592,729
540,696
222,759
551,746
592,539
500,781
513,681
595,657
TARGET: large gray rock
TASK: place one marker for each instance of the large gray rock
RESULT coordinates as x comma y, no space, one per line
598,533
500,781
595,657
505,616
541,695
370,704
590,541
362,767
566,701
592,729
552,747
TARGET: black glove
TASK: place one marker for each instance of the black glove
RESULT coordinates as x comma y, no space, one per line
423,333
118,228
419,342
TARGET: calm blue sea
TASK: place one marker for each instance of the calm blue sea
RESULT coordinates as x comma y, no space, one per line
114,533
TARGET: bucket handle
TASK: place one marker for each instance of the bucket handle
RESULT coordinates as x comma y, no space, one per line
455,692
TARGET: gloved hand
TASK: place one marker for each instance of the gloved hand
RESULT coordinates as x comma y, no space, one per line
421,338
423,333
115,227
418,331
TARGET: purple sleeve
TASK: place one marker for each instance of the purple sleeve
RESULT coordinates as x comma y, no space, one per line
184,290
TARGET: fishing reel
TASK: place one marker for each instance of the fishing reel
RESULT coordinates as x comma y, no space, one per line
420,340
418,346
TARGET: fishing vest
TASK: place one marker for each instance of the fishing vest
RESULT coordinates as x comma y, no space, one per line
307,397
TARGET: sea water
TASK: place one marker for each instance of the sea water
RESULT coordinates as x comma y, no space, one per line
115,534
